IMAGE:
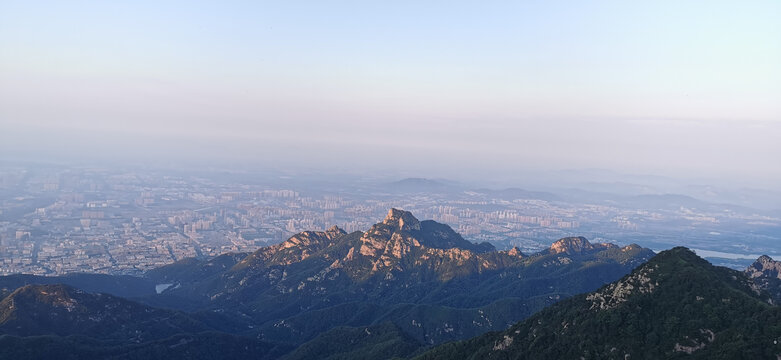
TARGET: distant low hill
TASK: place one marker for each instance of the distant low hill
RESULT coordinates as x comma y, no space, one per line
516,193
418,185
61,322
63,310
117,285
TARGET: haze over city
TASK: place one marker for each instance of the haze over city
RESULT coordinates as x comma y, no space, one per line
451,89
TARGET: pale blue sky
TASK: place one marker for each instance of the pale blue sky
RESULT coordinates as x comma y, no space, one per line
642,86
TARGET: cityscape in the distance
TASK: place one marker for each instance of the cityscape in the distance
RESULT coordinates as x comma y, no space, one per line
59,220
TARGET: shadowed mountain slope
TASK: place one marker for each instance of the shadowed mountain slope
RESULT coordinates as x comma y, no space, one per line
677,305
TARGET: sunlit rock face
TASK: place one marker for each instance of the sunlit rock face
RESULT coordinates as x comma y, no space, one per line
401,220
765,267
765,273
576,245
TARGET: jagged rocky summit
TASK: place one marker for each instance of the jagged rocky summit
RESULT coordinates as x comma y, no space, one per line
766,274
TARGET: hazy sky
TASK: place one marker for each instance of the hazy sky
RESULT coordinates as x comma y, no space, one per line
690,87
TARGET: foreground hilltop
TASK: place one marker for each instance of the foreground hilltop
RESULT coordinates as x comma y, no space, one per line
677,305
63,310
61,322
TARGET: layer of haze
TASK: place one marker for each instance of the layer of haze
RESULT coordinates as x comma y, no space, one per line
435,87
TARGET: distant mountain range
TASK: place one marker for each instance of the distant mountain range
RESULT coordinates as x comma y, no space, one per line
619,194
393,290
404,288
419,185
421,276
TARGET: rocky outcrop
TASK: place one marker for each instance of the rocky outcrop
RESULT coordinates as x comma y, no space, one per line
705,337
516,252
618,292
765,267
295,249
571,245
401,220
765,273
576,245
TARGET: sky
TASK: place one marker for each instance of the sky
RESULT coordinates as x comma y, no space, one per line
684,88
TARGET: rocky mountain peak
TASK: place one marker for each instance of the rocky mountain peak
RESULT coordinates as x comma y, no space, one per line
401,242
515,251
55,294
766,274
295,249
571,245
400,232
765,266
313,240
334,232
403,220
